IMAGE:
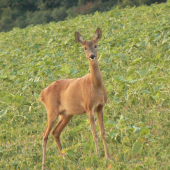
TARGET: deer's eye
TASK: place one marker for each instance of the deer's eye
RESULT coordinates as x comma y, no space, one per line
95,46
85,48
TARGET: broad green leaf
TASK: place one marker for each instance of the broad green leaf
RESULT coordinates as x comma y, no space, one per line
116,99
26,103
51,78
158,87
111,122
2,113
133,81
145,131
65,69
130,70
143,118
7,98
114,51
49,62
107,70
123,57
73,71
137,129
78,128
152,67
1,153
106,60
105,118
109,88
18,98
120,78
146,91
112,134
136,61
118,138
156,97
36,95
136,147
158,56
142,72
113,66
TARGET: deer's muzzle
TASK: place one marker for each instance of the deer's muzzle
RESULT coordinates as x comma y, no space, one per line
92,56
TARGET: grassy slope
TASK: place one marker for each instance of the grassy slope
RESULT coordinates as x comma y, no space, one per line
134,59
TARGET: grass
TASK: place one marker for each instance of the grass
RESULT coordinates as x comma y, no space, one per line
134,56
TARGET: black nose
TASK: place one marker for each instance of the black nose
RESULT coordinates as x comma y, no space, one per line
92,56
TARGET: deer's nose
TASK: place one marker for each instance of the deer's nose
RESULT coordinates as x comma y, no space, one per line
92,56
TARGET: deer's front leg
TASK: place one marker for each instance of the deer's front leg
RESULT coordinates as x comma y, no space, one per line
93,126
101,126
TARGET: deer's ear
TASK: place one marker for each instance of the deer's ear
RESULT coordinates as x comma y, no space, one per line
97,35
79,38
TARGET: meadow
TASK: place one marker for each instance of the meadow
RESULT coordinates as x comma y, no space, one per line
134,59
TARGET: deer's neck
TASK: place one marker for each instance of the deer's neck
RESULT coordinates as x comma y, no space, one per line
95,74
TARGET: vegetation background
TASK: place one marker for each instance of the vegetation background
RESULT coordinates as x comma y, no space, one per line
21,13
134,57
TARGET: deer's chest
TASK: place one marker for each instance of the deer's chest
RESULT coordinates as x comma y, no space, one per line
96,98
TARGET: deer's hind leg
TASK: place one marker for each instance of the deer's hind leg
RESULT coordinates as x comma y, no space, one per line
52,116
64,120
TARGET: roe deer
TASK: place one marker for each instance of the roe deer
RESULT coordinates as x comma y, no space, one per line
69,97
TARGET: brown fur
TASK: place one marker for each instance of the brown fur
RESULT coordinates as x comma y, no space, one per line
69,97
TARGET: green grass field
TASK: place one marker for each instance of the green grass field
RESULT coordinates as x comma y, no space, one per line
134,59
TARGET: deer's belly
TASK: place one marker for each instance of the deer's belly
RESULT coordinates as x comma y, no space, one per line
72,107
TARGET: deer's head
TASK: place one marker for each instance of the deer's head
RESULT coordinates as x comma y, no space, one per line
90,47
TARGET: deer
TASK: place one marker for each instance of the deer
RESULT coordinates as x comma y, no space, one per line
65,98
